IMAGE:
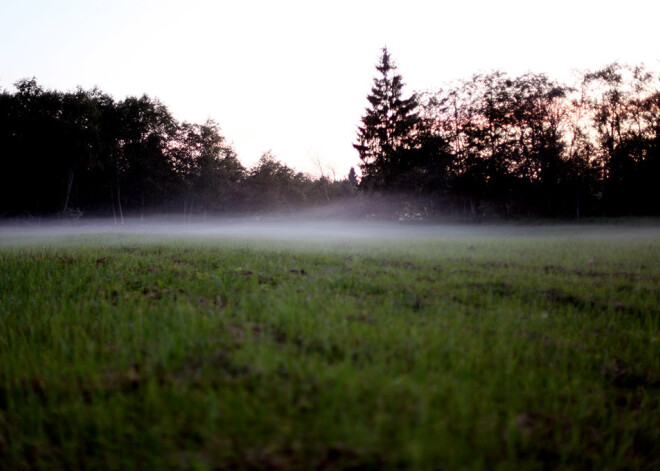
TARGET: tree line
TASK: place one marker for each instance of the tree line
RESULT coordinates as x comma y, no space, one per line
517,146
494,144
83,152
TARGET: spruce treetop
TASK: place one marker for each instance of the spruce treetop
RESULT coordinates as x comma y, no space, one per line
388,127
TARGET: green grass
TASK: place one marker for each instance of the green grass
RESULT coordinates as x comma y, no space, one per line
467,352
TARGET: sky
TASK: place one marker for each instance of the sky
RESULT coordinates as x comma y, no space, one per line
291,76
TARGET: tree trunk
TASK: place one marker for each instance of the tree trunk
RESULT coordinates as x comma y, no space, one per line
121,212
325,190
112,203
68,190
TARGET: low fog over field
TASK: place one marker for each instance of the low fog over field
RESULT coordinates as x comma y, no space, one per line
305,229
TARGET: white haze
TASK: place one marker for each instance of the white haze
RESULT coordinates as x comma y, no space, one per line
303,228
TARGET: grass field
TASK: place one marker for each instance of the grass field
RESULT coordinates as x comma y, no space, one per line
506,349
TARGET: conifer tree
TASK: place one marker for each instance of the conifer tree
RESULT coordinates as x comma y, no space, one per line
387,138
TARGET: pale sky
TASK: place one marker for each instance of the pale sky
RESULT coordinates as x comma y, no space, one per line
293,76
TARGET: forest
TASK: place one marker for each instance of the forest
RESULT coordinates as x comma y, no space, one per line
84,153
492,145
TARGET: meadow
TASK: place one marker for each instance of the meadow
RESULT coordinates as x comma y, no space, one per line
496,348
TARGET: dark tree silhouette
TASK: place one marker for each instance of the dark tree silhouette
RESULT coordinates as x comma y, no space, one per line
212,171
624,115
389,131
494,144
352,178
82,152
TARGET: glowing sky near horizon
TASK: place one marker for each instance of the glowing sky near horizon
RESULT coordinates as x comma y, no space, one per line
292,76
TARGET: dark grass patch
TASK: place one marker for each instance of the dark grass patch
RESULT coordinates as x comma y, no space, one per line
622,375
